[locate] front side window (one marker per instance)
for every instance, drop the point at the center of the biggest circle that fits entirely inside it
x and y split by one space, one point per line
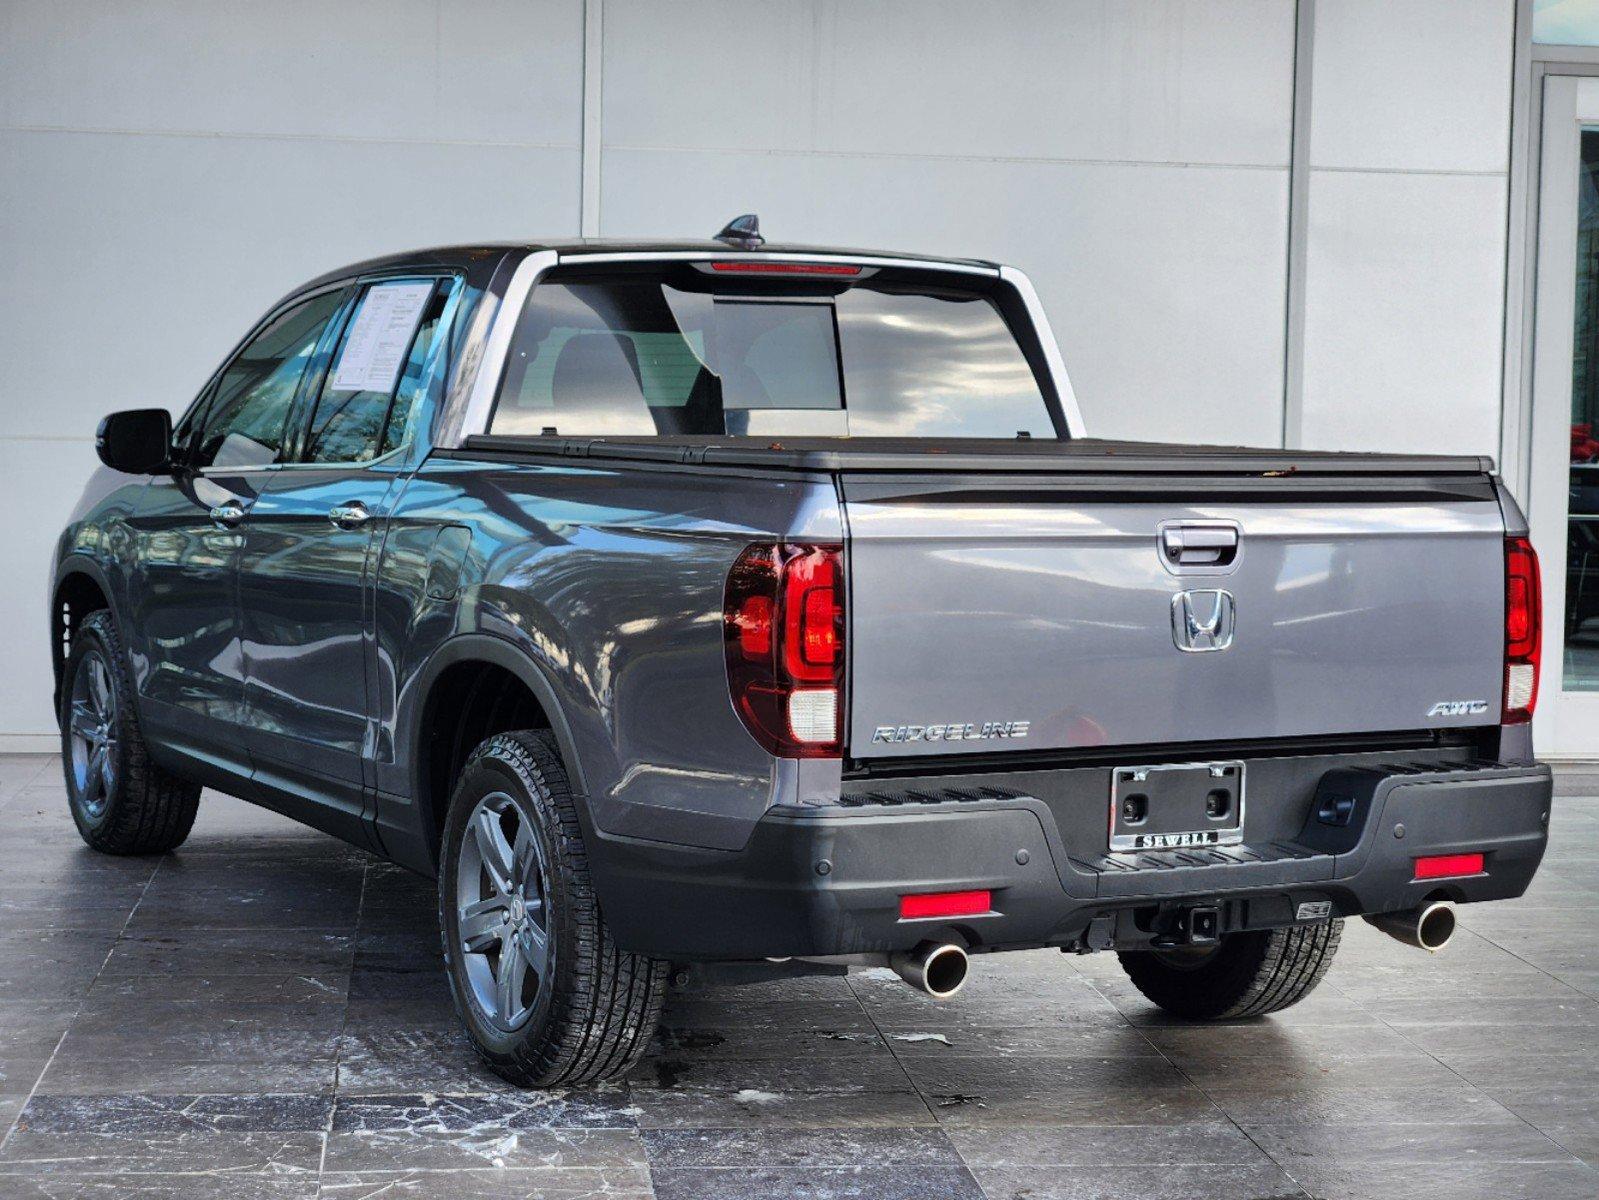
375 382
680 352
249 410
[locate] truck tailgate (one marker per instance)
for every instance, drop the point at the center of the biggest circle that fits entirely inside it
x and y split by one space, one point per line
993 613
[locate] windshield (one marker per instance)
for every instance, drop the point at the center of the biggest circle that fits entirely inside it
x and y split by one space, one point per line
676 352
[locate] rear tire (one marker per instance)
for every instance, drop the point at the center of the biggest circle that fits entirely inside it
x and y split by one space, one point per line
1246 975
121 802
547 997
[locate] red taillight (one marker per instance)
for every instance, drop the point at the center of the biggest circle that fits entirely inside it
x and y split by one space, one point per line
813 607
1523 630
945 904
783 620
758 267
1443 866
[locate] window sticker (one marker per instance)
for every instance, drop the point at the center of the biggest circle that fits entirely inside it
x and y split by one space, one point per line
375 346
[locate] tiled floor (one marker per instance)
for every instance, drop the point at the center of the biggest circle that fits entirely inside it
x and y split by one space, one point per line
260 1016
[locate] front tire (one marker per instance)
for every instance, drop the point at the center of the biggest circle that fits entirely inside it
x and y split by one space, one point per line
1246 975
547 997
121 802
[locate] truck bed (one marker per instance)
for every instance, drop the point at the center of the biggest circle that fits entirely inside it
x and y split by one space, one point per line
1000 581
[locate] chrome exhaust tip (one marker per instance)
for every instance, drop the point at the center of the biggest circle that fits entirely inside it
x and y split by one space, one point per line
936 968
1429 927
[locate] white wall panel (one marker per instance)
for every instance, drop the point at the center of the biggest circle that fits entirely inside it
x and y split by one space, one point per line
144 259
1415 85
415 70
1409 148
1404 312
40 481
1164 284
1130 156
169 169
1204 81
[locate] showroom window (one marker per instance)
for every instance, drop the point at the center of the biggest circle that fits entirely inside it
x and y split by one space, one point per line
1565 22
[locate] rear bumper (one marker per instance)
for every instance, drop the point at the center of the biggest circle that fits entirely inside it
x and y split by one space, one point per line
827 881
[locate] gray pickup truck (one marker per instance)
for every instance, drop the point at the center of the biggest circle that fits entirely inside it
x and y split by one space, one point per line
729 611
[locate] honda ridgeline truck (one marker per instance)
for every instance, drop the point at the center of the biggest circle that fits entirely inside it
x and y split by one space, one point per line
725 610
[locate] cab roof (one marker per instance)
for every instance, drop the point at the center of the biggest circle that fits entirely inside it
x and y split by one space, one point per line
483 254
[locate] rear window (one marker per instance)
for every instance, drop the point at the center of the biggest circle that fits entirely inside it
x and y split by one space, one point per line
677 351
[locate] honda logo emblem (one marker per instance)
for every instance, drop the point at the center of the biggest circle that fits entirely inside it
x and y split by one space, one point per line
1202 620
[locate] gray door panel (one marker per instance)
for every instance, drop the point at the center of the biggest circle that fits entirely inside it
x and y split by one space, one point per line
182 627
305 620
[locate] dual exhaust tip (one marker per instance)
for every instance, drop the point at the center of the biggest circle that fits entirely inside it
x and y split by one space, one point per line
938 969
1429 927
935 968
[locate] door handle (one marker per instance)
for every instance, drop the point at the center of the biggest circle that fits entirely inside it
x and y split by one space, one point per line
228 514
349 516
1199 545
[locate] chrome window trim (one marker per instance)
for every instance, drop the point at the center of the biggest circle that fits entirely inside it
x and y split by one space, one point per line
491 357
385 460
1046 339
491 364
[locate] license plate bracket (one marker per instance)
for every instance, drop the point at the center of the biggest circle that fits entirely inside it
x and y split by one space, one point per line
1176 806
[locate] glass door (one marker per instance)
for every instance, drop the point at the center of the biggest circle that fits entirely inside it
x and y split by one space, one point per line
1580 662
1564 490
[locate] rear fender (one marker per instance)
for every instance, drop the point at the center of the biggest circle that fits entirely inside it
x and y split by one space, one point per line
501 652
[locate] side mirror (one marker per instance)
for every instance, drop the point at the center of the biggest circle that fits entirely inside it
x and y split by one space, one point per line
137 441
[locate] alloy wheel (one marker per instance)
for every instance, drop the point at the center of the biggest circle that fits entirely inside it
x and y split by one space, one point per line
93 735
502 909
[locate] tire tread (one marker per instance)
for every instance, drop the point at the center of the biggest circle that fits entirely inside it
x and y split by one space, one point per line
603 1016
152 810
1252 974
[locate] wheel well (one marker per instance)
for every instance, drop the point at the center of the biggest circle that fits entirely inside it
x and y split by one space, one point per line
77 596
468 702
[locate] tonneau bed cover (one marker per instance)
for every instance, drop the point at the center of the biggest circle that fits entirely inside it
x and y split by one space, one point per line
1074 456
1081 466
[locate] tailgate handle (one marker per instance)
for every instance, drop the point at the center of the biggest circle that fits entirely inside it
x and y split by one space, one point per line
1199 545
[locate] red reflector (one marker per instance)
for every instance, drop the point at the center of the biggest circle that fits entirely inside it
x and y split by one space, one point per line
944 904
756 267
1441 866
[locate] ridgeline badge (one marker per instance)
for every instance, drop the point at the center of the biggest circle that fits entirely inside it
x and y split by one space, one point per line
987 731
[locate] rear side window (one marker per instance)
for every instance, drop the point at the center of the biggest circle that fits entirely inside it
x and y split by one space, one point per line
249 410
677 352
375 380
